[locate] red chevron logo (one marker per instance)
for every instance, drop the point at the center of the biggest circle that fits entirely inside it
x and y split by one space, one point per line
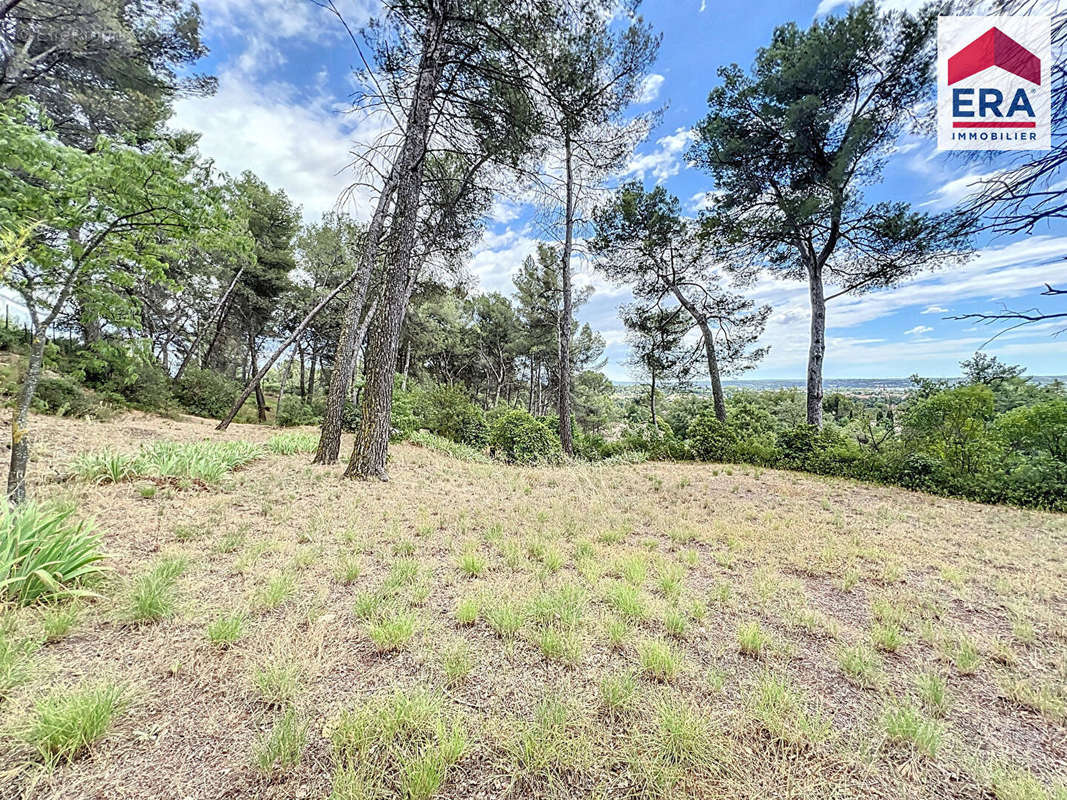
994 48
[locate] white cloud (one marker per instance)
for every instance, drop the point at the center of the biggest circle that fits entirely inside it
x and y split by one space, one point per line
650 87
663 162
957 190
291 141
934 310
918 330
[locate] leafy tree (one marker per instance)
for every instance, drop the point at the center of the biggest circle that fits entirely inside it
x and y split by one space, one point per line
643 241
989 370
591 68
100 220
657 348
101 66
1040 428
791 144
954 426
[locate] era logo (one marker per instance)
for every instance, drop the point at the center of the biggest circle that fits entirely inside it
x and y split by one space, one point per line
993 83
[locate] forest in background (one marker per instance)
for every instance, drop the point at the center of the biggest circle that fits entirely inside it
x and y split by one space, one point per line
153 281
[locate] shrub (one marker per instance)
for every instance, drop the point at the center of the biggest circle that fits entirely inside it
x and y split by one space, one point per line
349 417
404 419
953 426
711 439
517 437
295 411
446 411
65 398
44 554
206 393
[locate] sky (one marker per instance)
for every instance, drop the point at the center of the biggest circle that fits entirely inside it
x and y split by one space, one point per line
285 72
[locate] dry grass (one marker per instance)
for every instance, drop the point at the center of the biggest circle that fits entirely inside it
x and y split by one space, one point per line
624 630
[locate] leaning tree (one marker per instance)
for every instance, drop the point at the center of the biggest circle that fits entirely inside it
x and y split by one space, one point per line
791 143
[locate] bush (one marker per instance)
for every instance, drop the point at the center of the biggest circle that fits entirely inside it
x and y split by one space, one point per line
44 554
404 418
446 411
713 440
149 389
206 393
64 397
953 426
519 438
349 417
295 411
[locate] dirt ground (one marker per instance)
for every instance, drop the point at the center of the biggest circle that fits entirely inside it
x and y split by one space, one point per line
821 567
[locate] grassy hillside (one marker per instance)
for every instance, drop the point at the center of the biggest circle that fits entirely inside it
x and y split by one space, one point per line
475 630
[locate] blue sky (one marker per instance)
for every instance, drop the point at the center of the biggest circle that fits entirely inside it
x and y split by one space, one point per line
284 69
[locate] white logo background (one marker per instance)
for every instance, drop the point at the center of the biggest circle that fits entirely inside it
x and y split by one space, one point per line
1033 33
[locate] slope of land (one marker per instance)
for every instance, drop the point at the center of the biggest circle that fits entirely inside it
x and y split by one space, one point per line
594 631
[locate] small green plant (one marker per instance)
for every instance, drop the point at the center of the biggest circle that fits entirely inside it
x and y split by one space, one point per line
205 462
787 715
472 564
627 600
618 632
45 554
467 610
887 637
66 722
505 619
559 645
367 605
278 680
225 630
751 640
681 735
675 622
278 589
861 665
348 568
659 660
933 690
1011 783
907 725
392 632
58 620
283 746
617 691
16 661
151 597
966 657
457 663
293 442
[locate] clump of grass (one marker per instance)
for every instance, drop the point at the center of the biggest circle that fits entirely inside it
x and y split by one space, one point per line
933 691
627 600
403 572
151 597
472 564
907 725
559 645
206 462
618 632
617 691
283 747
226 629
505 619
562 606
461 452
293 442
675 622
278 589
681 735
861 666
66 722
457 663
58 620
1010 783
887 637
393 631
278 679
367 605
1043 699
45 554
401 745
467 610
348 568
751 640
787 715
16 661
966 657
659 660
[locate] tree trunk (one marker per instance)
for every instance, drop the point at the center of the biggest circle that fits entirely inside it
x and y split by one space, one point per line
311 375
344 361
200 334
407 365
565 437
817 349
20 425
709 349
223 315
652 403
372 439
281 392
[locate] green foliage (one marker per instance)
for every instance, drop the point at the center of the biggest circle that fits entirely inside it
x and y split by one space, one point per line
63 397
283 746
519 438
446 411
206 393
66 722
45 554
295 411
292 443
448 447
194 461
711 439
953 426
